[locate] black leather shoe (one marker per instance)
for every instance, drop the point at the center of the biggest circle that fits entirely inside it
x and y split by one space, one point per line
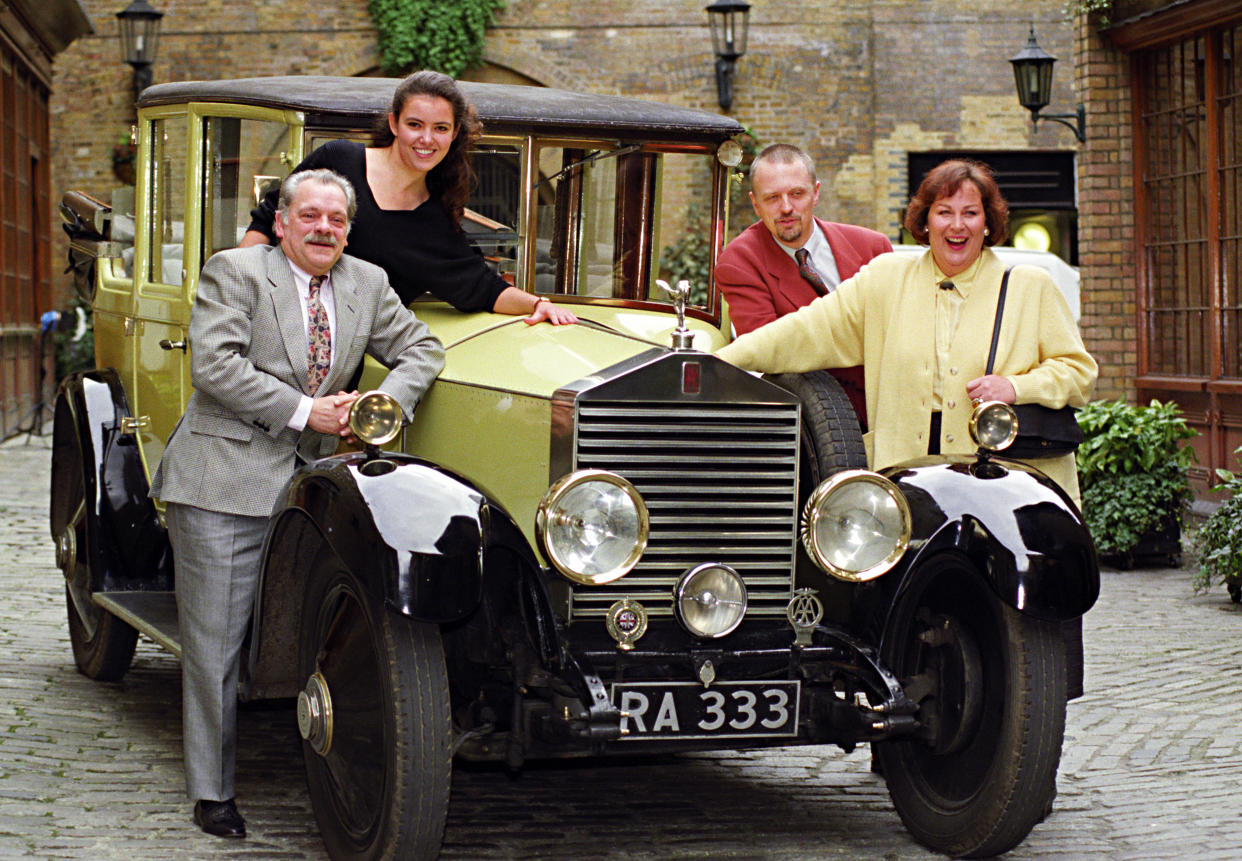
219 818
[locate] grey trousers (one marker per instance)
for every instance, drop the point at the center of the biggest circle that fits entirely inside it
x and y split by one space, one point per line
217 558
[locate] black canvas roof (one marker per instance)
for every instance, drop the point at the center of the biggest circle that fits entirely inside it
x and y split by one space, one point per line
337 101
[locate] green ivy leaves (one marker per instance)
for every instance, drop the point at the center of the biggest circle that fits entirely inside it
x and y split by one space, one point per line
431 34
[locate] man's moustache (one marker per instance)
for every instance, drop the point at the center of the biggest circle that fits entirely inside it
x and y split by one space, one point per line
321 239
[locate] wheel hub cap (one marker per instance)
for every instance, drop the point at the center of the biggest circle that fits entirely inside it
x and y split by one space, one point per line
315 714
956 708
66 550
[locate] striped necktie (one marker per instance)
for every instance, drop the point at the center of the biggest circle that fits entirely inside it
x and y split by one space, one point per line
318 337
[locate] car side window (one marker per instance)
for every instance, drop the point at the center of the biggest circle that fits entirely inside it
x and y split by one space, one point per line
244 158
576 248
681 224
610 221
166 200
492 220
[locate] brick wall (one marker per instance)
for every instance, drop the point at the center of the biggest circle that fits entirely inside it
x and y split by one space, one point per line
1106 211
92 107
858 84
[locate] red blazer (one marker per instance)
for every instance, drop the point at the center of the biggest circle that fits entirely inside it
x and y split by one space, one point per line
761 282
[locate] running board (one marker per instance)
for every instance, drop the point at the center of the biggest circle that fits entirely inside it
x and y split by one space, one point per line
154 614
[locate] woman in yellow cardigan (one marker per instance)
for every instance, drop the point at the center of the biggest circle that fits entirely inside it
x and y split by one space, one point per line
922 327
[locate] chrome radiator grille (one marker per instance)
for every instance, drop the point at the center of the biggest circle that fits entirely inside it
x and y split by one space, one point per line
720 482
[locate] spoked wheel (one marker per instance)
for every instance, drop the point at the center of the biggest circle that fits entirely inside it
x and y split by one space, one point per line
374 718
990 683
103 645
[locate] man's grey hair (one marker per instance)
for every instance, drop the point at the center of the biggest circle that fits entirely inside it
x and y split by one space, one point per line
782 153
323 176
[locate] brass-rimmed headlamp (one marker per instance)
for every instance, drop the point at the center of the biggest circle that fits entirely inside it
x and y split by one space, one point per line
856 525
592 526
993 426
375 418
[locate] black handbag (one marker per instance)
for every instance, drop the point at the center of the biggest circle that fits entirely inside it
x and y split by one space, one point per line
1042 431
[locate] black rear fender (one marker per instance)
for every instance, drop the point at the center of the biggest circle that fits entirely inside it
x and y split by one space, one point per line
93 461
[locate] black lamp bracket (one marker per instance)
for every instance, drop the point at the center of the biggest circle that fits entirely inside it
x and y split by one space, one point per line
1078 127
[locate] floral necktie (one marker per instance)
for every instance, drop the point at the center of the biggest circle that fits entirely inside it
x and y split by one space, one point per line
318 337
807 271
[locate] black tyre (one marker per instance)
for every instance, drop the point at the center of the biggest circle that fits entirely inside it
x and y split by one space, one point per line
991 687
103 645
374 720
831 438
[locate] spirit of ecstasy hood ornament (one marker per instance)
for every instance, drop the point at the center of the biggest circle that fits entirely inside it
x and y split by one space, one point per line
683 338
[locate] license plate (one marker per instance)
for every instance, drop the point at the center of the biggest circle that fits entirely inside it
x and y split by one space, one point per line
676 710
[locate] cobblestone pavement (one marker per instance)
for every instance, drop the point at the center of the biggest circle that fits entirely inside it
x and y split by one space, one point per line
1152 767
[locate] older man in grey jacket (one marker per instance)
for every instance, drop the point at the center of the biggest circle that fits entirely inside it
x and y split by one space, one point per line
274 335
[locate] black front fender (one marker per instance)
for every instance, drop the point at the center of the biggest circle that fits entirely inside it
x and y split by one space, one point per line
409 529
413 535
1026 536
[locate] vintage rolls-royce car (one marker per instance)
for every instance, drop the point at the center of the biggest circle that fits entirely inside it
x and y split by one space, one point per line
594 539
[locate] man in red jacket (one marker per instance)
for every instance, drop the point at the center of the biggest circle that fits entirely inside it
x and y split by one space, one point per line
789 257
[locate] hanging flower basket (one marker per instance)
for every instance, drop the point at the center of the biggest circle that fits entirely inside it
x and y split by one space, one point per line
123 156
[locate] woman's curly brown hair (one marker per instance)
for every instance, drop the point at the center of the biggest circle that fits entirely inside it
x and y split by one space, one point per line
451 179
944 180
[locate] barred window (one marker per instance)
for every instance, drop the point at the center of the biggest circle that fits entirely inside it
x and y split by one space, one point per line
1190 157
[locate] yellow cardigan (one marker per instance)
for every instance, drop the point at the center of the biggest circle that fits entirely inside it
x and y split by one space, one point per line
883 319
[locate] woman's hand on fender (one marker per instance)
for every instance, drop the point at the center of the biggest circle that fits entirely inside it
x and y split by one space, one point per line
557 315
514 301
992 387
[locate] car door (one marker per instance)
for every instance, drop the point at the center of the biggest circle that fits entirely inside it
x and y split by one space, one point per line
209 165
156 375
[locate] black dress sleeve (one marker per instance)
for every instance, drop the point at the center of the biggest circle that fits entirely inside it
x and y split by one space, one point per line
430 255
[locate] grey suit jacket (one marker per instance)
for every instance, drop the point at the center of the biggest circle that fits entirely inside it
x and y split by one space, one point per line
232 450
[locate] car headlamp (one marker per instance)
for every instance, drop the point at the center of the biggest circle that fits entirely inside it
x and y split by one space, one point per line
710 600
856 525
993 425
593 526
375 418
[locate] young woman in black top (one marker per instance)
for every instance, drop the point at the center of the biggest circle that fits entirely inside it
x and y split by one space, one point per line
412 184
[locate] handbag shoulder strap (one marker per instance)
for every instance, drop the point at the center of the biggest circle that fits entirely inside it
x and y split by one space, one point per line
1000 310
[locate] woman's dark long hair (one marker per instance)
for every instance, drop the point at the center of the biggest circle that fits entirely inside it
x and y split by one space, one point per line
452 179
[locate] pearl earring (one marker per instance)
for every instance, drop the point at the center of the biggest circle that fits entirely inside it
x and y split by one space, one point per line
986 231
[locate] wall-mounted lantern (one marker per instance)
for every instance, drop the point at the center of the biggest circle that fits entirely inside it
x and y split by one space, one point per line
140 33
1032 72
729 21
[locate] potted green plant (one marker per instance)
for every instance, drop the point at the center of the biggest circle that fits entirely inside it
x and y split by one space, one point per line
1132 468
1219 542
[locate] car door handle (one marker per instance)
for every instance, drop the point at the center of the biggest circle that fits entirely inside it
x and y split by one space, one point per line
166 344
133 424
